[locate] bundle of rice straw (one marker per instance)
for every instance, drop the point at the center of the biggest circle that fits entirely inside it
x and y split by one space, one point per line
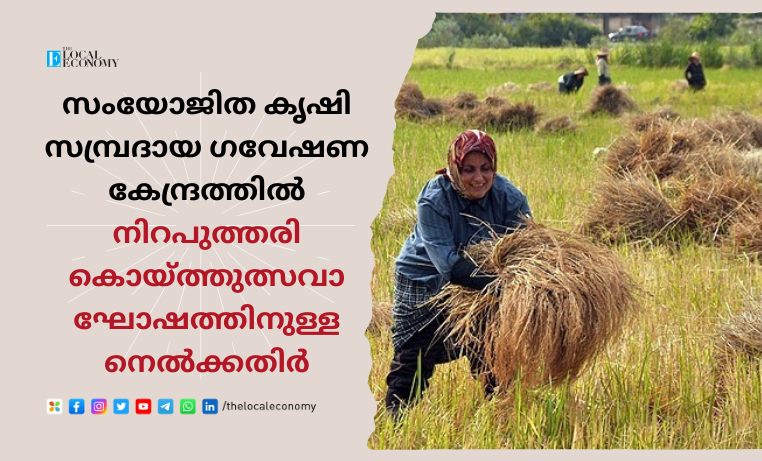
541 86
659 150
746 234
561 300
507 87
562 124
494 101
709 206
380 318
735 129
739 337
645 120
611 100
741 334
630 208
680 85
505 117
411 103
464 101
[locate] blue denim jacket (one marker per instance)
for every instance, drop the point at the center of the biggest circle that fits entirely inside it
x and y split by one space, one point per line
447 223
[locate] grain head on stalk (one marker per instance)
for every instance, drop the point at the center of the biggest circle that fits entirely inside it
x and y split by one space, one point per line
558 300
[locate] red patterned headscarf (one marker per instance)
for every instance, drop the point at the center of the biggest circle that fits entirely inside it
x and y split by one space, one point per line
463 144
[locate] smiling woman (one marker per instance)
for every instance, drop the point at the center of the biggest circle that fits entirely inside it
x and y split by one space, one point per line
468 202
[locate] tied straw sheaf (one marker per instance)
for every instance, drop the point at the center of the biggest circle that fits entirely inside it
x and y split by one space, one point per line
557 301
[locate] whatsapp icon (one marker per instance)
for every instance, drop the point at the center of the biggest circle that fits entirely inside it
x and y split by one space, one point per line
187 406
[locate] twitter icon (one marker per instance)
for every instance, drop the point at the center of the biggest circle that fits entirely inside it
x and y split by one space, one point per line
121 406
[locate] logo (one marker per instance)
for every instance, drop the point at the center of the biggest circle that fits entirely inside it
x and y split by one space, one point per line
54 59
54 406
76 406
69 57
143 406
121 406
187 406
166 407
209 406
98 406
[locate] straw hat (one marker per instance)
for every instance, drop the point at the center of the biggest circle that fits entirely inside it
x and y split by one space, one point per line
603 52
582 70
695 56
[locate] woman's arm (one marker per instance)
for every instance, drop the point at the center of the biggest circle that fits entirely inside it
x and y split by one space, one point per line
437 237
439 243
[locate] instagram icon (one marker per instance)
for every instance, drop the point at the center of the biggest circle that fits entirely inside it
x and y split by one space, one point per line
98 406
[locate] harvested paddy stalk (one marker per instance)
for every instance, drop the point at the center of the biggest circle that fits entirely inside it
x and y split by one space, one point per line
507 87
541 86
736 129
710 205
557 302
745 234
505 117
644 121
494 101
381 318
411 104
562 124
465 101
630 208
610 100
741 334
658 150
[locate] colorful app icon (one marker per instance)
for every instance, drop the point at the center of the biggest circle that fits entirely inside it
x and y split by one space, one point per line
98 406
121 406
187 406
165 406
209 406
143 406
76 406
54 406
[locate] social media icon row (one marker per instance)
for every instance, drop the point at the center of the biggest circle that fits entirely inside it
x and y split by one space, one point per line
142 406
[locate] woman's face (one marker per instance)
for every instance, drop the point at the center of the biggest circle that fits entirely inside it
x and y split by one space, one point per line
477 175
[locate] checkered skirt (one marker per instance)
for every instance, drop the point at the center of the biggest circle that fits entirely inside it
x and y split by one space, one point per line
408 314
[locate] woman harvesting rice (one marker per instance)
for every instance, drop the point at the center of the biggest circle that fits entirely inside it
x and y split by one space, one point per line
467 203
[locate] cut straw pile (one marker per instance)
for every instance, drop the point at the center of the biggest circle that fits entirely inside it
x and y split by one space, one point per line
494 114
610 100
380 319
562 124
669 178
561 300
742 333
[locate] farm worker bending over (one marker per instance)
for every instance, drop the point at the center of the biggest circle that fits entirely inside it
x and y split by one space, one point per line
463 205
572 81
602 63
694 73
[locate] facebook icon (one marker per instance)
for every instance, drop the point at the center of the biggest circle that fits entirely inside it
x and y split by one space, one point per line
209 406
54 59
76 406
